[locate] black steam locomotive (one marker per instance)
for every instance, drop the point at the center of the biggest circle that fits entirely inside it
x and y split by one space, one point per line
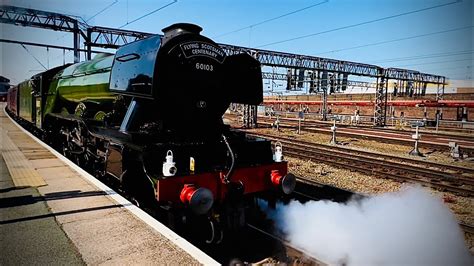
150 117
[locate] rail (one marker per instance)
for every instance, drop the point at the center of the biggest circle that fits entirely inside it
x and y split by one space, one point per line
377 164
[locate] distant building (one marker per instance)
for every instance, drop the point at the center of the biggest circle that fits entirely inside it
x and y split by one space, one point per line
462 86
465 90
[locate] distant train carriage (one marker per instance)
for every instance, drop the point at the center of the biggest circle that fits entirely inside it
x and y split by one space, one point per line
4 86
12 100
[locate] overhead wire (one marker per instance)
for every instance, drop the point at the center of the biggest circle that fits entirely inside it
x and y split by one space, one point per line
101 11
271 19
459 70
426 56
32 55
128 22
451 68
462 76
439 62
395 40
361 23
93 16
85 21
149 13
444 71
437 68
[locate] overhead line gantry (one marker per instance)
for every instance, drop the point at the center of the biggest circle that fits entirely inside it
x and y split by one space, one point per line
111 38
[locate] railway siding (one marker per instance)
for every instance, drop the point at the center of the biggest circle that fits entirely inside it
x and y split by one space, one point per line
429 139
379 165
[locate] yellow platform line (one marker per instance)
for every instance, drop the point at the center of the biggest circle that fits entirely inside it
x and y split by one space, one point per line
21 170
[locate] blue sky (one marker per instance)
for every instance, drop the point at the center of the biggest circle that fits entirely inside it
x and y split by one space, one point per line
448 53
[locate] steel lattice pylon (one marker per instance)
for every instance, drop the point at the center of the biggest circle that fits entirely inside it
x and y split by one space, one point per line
92 36
249 116
111 38
380 109
37 18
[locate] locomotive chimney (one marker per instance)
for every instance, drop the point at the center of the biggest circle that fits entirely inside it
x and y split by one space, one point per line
178 29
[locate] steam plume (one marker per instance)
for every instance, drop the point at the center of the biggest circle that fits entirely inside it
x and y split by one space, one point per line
410 227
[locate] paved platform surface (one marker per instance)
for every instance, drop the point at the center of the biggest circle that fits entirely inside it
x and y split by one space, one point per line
28 229
55 216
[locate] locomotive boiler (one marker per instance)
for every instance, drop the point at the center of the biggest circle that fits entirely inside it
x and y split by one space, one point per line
150 118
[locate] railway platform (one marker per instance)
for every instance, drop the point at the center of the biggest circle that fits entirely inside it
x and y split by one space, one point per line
51 212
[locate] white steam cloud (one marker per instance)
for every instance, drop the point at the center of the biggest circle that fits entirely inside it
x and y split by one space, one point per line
410 227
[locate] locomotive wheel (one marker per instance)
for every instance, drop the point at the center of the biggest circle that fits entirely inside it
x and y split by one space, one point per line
66 151
80 110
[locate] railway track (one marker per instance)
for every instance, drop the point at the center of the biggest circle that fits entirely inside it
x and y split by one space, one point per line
310 190
295 254
325 124
436 141
444 131
305 190
463 173
316 123
435 175
467 228
322 127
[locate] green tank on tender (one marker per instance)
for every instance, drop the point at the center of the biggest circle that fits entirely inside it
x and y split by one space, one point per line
82 83
25 101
